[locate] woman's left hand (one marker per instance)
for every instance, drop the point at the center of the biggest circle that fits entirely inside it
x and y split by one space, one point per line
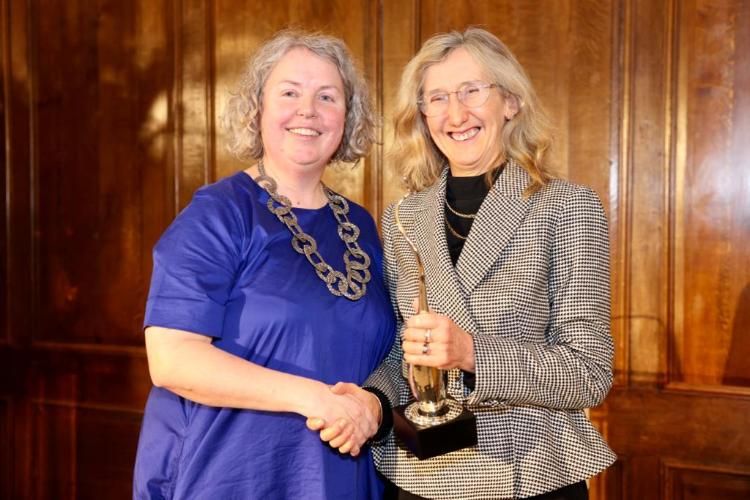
432 339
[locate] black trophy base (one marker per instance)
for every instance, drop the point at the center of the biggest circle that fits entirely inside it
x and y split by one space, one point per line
427 441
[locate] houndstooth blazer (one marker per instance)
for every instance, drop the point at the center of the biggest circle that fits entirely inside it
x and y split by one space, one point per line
532 286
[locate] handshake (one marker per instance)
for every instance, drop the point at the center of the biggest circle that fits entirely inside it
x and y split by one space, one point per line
346 417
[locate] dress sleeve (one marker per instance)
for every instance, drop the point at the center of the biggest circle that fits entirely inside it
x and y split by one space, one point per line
573 369
195 263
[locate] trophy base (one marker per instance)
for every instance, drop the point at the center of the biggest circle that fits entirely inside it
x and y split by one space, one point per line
427 440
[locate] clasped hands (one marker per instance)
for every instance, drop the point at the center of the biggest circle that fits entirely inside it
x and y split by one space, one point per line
354 415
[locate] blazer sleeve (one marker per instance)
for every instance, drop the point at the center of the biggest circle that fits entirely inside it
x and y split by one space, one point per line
388 377
573 368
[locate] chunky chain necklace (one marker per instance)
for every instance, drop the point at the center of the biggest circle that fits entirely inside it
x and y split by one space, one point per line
357 262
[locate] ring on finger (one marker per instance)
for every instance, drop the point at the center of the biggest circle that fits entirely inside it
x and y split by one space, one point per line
426 349
427 336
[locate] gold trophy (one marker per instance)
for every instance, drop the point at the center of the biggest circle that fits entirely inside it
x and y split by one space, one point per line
435 423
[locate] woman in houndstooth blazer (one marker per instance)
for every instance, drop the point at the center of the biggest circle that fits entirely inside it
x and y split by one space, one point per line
517 273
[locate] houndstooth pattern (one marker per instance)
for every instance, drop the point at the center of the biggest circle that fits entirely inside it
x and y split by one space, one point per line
532 285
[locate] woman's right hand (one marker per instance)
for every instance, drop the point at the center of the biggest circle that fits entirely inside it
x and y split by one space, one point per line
347 433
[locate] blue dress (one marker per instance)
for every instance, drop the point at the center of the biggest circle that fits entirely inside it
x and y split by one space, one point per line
225 268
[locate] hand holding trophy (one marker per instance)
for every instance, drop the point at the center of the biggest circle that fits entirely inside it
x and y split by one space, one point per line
435 423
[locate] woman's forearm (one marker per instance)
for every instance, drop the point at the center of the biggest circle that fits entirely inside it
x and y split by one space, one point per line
188 365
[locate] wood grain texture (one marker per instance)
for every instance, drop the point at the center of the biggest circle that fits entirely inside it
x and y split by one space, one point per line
17 201
5 84
645 179
711 207
6 446
82 452
101 129
683 481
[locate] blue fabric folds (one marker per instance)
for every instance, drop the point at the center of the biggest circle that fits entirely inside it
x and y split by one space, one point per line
225 268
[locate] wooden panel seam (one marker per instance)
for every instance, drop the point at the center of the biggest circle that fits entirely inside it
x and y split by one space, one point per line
373 195
32 64
7 110
61 403
707 390
176 106
668 467
626 82
209 167
138 351
675 117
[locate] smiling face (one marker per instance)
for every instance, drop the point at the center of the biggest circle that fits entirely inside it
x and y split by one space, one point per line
469 137
304 112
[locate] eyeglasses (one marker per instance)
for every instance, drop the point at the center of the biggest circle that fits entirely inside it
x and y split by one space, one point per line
471 95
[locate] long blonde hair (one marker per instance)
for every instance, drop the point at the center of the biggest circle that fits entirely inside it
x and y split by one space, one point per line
526 138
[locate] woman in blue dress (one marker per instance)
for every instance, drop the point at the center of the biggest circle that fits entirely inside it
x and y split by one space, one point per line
266 289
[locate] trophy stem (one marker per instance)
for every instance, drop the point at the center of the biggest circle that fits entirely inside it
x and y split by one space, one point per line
434 424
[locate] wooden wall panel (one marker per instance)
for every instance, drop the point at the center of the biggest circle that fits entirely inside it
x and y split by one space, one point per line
54 471
16 287
83 452
5 448
110 468
711 207
192 105
641 271
679 426
688 481
86 114
4 102
100 149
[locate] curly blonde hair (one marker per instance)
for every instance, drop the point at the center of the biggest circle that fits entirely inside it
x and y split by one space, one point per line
526 138
242 114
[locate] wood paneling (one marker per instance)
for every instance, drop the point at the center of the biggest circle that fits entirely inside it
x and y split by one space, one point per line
17 286
641 270
4 101
101 128
5 449
400 42
711 205
678 425
682 264
110 115
694 481
82 452
88 188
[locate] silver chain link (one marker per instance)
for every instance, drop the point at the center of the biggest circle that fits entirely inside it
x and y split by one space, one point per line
357 262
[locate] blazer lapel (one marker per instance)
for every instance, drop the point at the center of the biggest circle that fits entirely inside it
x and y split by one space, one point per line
443 288
498 218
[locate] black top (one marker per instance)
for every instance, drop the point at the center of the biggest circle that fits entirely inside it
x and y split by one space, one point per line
464 196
